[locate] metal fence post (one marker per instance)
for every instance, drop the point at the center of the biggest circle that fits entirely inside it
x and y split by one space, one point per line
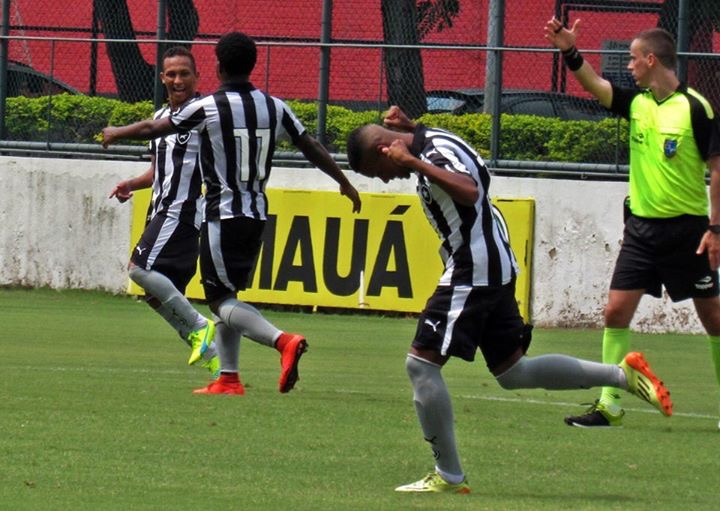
94 32
493 73
324 85
159 93
48 111
4 31
683 39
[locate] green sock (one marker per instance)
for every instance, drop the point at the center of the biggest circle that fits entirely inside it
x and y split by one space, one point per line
616 344
715 354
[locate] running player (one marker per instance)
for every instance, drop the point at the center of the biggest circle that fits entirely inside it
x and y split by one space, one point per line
165 258
239 126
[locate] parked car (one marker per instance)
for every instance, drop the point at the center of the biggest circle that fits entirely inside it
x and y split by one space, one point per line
514 101
23 80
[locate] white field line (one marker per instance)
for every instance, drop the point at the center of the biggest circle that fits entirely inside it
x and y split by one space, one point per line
547 403
563 404
529 401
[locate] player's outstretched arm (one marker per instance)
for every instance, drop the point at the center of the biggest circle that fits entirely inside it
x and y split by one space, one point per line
564 39
320 157
143 130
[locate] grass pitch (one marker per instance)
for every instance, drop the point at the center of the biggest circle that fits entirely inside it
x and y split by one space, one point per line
96 412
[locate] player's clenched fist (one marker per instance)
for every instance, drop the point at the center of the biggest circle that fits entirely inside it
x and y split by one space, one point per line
109 136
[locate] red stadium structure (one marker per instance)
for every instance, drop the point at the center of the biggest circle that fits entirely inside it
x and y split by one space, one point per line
288 63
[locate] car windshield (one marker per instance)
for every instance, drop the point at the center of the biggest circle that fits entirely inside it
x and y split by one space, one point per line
435 103
23 80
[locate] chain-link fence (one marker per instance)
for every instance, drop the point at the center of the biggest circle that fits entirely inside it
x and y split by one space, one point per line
426 55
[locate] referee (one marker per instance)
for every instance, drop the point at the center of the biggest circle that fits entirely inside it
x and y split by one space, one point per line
239 126
668 239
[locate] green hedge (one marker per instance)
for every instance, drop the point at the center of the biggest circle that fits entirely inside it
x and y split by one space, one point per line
67 118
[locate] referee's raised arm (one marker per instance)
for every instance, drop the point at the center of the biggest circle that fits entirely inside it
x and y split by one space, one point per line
564 40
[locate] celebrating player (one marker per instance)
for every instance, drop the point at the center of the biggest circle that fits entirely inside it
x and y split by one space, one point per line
165 258
473 306
239 126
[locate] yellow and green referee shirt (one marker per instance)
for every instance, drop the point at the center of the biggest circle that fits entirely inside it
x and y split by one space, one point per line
670 142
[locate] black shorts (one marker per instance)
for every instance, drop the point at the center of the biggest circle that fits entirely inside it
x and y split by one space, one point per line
228 251
457 321
170 247
658 252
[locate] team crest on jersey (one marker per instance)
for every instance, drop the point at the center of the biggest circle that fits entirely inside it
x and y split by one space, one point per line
670 147
182 138
424 191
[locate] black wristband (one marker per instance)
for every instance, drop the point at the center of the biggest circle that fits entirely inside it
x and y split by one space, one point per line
714 228
573 59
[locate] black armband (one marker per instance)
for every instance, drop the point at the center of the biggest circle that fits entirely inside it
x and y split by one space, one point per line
573 59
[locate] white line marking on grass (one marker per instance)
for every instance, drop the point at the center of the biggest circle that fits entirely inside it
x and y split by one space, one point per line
109 370
564 404
362 392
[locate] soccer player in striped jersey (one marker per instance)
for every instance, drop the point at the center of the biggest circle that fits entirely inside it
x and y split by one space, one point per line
473 306
668 239
165 258
239 126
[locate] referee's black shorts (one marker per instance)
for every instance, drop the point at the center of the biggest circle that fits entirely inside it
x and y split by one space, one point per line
658 252
457 321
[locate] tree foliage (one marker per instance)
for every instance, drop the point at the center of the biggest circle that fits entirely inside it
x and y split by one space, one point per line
436 16
134 76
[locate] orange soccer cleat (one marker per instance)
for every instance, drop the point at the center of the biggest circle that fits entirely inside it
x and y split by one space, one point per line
225 384
291 348
644 384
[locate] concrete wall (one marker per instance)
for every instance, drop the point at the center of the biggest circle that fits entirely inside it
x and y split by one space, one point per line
60 230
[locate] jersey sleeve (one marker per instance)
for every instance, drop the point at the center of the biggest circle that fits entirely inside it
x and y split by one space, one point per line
714 142
191 117
289 125
706 128
445 158
152 144
621 99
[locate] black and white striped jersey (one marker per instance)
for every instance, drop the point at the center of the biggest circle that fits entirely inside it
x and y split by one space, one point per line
239 126
177 184
475 247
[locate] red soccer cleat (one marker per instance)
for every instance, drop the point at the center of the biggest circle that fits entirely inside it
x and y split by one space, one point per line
291 348
225 384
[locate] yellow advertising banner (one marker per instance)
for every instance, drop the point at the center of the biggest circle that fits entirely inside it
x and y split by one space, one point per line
316 252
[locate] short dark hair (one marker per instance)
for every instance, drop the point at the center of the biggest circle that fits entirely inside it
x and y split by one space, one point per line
180 51
236 54
354 148
660 43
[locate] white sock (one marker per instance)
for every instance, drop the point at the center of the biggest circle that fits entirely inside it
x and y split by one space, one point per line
561 372
174 307
434 411
227 341
245 318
